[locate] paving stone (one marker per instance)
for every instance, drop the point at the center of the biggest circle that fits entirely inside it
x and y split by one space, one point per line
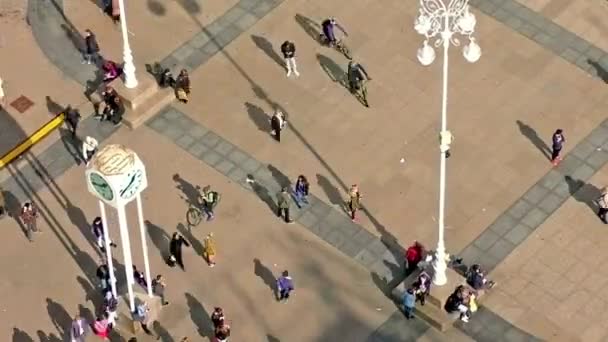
172 114
583 172
534 218
569 164
553 29
195 59
487 7
216 27
224 148
246 21
197 131
174 133
366 258
570 55
320 209
471 254
550 203
199 40
197 150
543 39
185 141
158 124
527 30
513 22
335 238
551 179
512 6
237 156
211 48
262 9
211 158
234 14
350 248
583 150
583 63
227 35
248 4
238 176
377 247
535 194
250 165
580 45
224 167
520 208
210 139
486 239
597 159
308 219
594 53
562 190
183 52
363 237
503 224
501 14
518 234
598 136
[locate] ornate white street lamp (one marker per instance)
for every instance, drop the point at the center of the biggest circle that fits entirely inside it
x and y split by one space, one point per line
129 67
439 22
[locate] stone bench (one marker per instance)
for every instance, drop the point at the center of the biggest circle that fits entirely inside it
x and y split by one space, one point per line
127 321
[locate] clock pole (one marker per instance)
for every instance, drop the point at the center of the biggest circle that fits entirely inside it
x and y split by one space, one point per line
144 243
126 243
106 237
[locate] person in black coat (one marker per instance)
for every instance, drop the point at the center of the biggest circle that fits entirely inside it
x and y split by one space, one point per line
289 53
117 110
175 248
91 48
72 117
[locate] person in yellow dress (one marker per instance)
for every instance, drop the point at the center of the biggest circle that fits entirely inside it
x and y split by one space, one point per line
209 250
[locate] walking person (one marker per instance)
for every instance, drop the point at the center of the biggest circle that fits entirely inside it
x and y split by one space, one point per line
91 53
413 255
78 330
182 86
422 287
29 215
143 316
558 141
277 124
110 305
222 332
284 286
116 112
289 53
217 317
445 141
209 200
103 274
283 204
354 201
209 250
158 286
98 232
175 250
72 117
101 327
89 148
602 203
409 303
140 277
301 190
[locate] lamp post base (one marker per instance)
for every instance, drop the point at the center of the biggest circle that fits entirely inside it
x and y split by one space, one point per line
439 270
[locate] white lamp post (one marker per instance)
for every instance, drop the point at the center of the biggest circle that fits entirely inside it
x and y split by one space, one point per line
129 67
441 21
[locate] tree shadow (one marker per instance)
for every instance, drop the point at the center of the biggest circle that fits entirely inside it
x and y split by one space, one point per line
159 238
196 244
258 116
583 192
281 179
53 107
199 316
161 332
599 70
262 193
332 69
266 275
60 317
312 28
21 336
332 192
71 143
190 191
263 44
531 134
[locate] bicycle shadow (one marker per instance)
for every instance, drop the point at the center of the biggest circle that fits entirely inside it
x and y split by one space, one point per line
333 70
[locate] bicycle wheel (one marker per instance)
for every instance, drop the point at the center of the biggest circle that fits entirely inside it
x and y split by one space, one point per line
194 216
345 51
364 95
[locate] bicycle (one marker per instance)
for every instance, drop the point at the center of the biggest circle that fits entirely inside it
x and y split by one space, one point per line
339 45
359 89
194 215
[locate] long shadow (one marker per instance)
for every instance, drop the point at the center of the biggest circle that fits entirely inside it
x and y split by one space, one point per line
74 36
281 179
599 70
271 338
196 244
311 27
94 86
266 275
161 332
200 316
263 194
258 116
531 134
583 192
72 144
332 69
13 207
86 313
263 44
43 337
159 238
91 294
190 191
21 336
53 107
60 317
332 192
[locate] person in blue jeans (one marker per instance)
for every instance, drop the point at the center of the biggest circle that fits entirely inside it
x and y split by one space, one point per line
409 303
301 191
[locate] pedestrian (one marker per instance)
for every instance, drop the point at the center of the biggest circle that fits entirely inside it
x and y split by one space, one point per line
143 316
283 204
409 303
140 277
111 71
354 201
182 86
209 250
116 111
72 117
413 256
445 141
284 286
422 287
115 11
103 274
106 7
101 327
602 203
301 191
91 53
217 317
98 232
78 331
558 140
289 53
222 332
110 305
158 286
3 211
209 200
278 122
108 96
29 214
175 250
89 148
477 280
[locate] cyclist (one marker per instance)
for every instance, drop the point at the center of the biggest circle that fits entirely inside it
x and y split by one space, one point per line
356 74
209 199
328 30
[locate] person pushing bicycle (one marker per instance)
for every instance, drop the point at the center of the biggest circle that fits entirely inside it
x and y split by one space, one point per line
209 200
356 75
328 30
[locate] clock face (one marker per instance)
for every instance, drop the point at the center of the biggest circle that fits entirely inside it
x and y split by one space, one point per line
132 184
101 186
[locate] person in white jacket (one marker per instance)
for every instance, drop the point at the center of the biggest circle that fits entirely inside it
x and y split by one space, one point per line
89 147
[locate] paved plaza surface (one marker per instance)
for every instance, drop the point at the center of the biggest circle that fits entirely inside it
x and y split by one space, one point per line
532 226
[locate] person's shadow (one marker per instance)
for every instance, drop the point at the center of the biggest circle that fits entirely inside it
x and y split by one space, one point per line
196 244
90 292
266 275
78 219
281 179
200 316
72 144
309 26
53 107
43 337
13 208
161 332
258 117
159 238
599 70
59 316
531 134
21 336
583 192
333 70
190 191
333 194
266 46
262 193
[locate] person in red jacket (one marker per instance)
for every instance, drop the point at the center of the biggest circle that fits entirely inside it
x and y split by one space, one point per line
413 255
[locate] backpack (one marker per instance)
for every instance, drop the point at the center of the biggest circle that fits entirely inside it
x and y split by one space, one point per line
215 197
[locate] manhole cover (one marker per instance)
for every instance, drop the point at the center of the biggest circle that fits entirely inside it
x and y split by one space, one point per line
22 104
